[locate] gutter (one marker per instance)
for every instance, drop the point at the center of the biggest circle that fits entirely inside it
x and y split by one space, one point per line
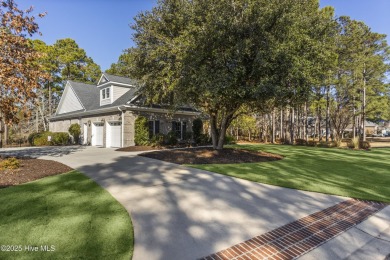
122 126
159 110
81 114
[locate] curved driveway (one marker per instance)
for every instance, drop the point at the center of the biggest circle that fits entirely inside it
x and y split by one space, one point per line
184 213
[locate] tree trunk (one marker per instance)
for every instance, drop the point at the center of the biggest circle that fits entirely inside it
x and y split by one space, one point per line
305 124
327 114
281 124
273 126
292 126
214 131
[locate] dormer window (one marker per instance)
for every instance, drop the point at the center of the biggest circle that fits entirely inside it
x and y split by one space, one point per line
105 93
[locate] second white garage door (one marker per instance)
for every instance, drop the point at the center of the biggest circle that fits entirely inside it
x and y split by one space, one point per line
114 134
97 134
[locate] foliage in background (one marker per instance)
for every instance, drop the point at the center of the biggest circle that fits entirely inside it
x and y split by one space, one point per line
141 131
75 131
20 73
197 129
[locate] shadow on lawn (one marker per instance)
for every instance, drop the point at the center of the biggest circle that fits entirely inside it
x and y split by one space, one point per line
68 211
181 213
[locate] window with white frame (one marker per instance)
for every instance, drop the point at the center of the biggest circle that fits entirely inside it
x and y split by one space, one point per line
105 93
154 128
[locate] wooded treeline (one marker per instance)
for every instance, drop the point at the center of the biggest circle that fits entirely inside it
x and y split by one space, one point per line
33 74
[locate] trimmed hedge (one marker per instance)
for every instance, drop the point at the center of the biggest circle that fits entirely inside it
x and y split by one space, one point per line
75 131
41 139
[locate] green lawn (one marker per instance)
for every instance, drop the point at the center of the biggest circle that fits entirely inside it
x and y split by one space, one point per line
356 174
68 211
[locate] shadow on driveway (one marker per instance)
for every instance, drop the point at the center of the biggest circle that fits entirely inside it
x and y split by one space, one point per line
35 152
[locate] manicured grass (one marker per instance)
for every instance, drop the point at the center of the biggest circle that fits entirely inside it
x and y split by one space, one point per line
68 211
356 174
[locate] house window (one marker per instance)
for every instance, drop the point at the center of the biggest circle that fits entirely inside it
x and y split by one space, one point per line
105 93
179 128
154 128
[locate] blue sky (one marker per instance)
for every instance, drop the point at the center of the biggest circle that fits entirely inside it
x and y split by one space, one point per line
101 27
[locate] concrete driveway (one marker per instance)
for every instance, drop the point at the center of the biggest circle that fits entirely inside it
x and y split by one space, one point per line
184 213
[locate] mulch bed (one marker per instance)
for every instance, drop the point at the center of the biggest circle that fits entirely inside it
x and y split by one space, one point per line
30 170
210 156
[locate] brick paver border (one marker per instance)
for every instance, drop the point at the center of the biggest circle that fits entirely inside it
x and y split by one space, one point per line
299 237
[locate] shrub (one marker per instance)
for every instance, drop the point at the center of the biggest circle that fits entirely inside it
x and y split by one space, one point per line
141 127
300 142
171 138
31 137
327 144
75 131
353 143
312 143
41 139
157 140
197 129
204 139
60 138
10 163
364 145
229 139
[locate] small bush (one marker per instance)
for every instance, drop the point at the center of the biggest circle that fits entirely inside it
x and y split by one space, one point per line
204 139
41 139
364 145
324 144
353 143
197 129
141 128
312 143
31 137
75 131
229 139
157 140
10 163
170 138
60 138
300 142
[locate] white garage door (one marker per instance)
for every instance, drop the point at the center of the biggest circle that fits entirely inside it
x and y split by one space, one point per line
114 134
97 134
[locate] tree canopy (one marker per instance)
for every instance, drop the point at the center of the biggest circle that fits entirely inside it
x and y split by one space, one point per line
20 73
221 54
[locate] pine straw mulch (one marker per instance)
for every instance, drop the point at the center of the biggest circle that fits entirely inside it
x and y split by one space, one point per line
206 155
30 170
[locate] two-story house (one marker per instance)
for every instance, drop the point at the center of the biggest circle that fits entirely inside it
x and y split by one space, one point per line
106 112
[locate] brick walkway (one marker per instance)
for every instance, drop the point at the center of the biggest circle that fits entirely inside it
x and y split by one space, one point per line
301 236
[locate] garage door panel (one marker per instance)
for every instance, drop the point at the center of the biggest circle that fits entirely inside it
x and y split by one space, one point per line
97 134
114 134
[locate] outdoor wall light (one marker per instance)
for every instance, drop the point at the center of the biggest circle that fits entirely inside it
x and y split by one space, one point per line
89 122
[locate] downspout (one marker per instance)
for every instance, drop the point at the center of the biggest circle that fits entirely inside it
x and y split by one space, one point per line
122 125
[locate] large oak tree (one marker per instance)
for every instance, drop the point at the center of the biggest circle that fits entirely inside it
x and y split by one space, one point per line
221 54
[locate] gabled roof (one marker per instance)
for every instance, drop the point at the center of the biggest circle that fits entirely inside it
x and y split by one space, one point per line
88 94
117 79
